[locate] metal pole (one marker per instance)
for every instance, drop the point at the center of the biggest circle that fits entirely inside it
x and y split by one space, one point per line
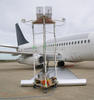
55 49
44 48
34 49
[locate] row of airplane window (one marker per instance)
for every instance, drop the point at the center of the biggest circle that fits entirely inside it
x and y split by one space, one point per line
71 43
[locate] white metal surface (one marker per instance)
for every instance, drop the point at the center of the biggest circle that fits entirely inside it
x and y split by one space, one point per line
39 12
72 82
64 77
48 12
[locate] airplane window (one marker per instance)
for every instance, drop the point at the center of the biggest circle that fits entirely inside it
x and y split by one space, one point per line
78 42
75 42
69 43
66 43
72 42
84 41
88 41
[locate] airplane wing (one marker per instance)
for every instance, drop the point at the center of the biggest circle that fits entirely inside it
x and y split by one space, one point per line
8 46
16 53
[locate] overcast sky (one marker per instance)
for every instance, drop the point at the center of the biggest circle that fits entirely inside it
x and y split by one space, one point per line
79 16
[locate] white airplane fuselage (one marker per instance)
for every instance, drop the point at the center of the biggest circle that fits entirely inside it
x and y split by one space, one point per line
74 48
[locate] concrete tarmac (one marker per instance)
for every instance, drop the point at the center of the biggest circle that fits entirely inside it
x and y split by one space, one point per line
12 73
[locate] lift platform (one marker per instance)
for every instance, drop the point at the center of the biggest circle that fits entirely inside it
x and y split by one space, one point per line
64 77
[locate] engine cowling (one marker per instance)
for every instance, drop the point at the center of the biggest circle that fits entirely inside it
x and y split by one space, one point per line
30 59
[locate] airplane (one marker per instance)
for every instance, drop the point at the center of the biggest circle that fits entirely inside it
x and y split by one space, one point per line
72 48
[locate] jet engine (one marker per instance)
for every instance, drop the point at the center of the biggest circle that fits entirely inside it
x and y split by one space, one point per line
29 59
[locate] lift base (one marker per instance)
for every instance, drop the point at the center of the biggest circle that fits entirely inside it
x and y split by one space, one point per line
64 77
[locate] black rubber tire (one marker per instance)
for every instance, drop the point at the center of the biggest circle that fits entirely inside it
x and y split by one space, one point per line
55 86
60 64
39 66
34 86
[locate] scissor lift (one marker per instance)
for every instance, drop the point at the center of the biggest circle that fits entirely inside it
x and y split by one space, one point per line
43 80
53 76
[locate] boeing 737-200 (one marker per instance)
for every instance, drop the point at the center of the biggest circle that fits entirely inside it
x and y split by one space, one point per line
74 48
